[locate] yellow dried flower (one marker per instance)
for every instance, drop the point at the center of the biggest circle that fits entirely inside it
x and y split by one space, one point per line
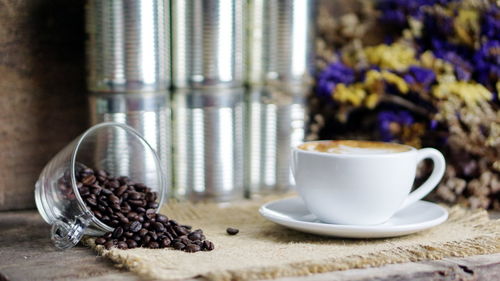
470 93
372 100
396 56
443 69
466 26
353 94
374 76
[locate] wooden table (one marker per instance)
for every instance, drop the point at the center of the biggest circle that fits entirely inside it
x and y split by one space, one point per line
26 253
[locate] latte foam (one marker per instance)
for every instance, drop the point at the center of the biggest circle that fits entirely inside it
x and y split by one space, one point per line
354 147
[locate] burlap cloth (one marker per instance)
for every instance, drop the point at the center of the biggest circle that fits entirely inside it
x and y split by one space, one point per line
265 250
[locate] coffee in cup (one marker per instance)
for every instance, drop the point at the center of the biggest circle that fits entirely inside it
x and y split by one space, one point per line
360 182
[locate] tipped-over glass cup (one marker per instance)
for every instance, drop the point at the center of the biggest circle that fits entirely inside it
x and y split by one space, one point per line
113 147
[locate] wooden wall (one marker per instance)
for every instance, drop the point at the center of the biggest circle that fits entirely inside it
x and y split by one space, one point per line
42 90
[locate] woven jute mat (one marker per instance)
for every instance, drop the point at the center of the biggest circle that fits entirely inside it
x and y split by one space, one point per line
264 250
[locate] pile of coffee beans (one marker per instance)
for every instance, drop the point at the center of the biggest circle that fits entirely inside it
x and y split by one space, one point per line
130 208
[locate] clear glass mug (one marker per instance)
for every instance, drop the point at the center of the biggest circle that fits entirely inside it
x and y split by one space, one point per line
113 147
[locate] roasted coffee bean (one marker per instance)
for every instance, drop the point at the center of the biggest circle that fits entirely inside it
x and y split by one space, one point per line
115 222
187 226
135 202
100 240
146 225
153 245
181 230
179 246
97 214
141 218
165 242
131 244
140 210
192 248
106 192
158 226
161 218
135 226
84 191
153 205
122 245
108 245
124 220
91 202
150 196
194 236
114 200
88 180
118 232
146 239
150 213
208 246
125 207
134 195
132 216
96 190
107 235
128 234
113 184
119 191
143 232
137 238
173 222
153 235
101 173
232 231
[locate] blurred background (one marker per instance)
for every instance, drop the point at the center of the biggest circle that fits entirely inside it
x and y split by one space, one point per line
420 72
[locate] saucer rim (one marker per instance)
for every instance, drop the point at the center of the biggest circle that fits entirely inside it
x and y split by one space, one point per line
363 231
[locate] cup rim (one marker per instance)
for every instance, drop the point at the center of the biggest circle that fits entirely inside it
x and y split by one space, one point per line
74 152
411 149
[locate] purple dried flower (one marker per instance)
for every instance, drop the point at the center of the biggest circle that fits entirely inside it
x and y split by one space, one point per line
433 124
419 77
396 12
459 56
332 75
487 61
490 23
390 123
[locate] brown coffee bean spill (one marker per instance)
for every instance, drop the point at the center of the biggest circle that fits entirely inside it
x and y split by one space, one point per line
130 208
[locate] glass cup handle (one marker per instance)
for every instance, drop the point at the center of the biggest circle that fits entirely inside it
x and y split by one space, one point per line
436 175
66 234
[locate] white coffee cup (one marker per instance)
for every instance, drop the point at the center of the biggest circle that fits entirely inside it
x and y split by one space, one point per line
359 186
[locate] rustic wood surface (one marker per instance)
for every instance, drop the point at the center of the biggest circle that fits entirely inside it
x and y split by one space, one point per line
42 90
26 253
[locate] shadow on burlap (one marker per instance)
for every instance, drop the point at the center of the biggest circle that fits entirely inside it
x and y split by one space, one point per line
264 250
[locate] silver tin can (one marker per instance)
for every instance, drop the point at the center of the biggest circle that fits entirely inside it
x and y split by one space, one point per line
208 43
148 113
208 144
128 48
276 119
280 41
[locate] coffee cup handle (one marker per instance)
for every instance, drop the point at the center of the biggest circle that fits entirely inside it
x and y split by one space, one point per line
436 175
293 161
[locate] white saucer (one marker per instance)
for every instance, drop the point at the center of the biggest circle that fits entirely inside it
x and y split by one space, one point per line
292 213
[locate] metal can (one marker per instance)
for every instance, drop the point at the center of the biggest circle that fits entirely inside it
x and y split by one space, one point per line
128 48
276 119
208 144
280 41
148 113
208 43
